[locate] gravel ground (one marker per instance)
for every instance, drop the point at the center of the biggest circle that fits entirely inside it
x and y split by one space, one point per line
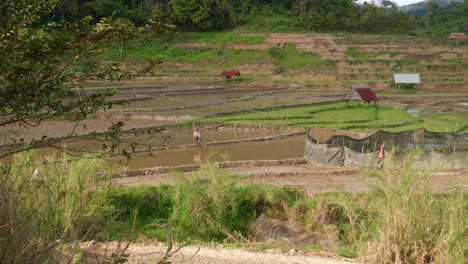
213 255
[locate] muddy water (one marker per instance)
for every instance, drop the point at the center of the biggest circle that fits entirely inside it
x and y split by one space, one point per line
275 149
292 147
170 137
184 136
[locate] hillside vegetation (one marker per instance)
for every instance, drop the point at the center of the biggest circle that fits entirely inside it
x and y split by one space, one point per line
271 16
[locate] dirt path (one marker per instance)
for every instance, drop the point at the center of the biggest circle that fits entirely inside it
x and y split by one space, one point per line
214 255
310 178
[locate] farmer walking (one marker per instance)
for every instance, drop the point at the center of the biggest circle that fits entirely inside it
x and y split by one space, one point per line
381 157
196 135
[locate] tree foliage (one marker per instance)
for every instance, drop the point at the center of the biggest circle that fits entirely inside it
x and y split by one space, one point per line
38 67
211 15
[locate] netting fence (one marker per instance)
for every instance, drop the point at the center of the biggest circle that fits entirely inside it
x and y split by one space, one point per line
437 150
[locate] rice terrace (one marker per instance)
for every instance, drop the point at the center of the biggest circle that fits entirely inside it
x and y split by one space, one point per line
256 133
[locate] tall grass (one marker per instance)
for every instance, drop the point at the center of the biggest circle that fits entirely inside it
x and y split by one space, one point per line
415 225
43 212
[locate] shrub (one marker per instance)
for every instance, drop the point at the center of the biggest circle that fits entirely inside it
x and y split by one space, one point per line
212 205
148 202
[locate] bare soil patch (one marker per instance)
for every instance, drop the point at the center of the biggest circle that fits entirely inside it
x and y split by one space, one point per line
152 253
310 178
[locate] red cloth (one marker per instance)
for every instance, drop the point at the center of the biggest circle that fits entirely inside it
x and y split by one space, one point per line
382 151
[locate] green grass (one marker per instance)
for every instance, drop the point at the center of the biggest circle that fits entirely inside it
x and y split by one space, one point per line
218 38
248 39
360 55
399 214
355 116
164 48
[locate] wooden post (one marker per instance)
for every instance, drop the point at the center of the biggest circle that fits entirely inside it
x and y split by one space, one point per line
79 94
136 96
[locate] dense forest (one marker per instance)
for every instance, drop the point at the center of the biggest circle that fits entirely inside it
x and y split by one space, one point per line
273 15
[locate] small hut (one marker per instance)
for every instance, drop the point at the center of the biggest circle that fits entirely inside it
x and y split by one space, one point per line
458 38
230 73
361 93
406 80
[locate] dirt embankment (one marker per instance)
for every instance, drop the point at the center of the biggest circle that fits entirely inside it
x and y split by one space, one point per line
308 177
62 128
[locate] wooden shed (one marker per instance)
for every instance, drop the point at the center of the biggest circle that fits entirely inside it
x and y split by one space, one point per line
361 93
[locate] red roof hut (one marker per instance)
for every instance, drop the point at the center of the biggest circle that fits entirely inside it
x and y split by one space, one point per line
363 93
230 73
458 36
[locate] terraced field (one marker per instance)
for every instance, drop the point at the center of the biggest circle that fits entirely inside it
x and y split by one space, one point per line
291 69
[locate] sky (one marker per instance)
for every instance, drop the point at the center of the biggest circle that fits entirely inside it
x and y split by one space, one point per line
406 2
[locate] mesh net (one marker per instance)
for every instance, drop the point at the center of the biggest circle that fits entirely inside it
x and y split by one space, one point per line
441 150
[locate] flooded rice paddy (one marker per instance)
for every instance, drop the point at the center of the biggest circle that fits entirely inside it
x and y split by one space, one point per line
175 137
292 147
187 153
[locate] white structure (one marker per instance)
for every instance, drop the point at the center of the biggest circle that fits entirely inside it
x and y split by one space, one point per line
407 79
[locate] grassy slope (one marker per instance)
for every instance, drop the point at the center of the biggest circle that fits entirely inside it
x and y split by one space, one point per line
164 48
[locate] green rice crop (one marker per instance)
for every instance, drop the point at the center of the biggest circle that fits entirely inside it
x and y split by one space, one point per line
356 116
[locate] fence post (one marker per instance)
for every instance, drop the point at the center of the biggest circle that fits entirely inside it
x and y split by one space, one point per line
136 96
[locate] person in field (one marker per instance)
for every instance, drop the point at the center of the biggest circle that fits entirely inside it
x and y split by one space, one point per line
381 157
197 135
